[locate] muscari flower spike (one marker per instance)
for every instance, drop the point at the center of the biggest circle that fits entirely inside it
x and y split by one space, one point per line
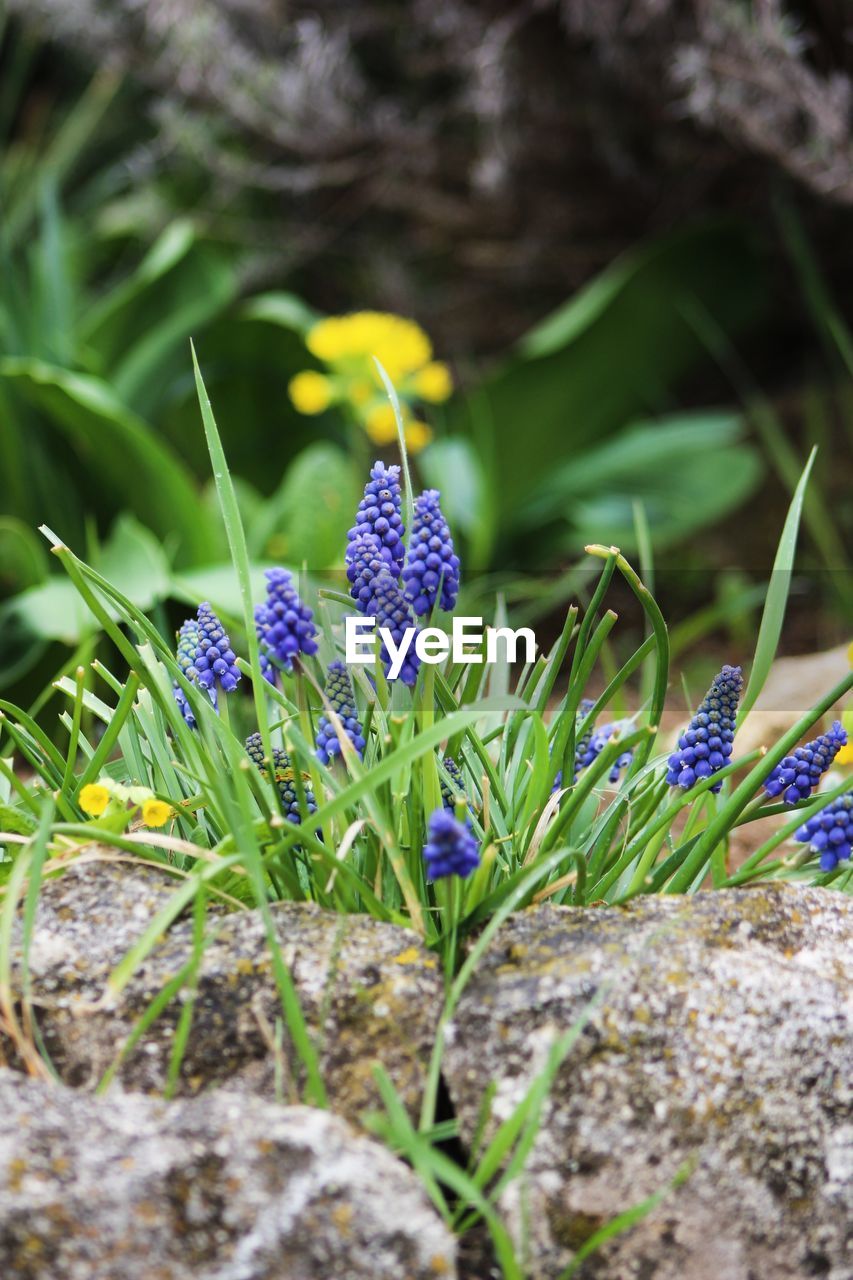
392 610
706 744
431 563
340 694
285 625
451 850
379 513
593 748
215 663
796 777
268 671
451 791
365 563
284 778
830 832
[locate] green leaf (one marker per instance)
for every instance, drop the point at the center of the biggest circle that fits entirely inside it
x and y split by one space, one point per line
306 520
284 309
132 560
16 821
613 355
125 453
777 596
219 584
23 559
686 471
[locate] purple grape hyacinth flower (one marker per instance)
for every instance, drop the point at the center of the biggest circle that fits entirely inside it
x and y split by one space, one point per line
365 563
379 514
451 850
285 625
284 778
594 747
705 746
392 610
340 694
187 648
830 832
215 662
796 777
431 562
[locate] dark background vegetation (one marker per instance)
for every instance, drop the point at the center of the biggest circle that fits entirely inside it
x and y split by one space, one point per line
670 182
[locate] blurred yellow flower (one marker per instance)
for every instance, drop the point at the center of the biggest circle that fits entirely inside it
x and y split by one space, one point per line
310 392
156 812
400 345
347 345
433 383
845 755
418 434
94 799
380 424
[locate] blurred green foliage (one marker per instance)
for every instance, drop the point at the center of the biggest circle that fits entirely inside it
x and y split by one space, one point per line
555 443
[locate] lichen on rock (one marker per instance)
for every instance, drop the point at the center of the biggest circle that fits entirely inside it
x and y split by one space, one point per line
370 992
226 1187
720 1035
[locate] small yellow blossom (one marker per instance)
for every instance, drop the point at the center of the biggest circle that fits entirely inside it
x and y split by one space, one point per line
347 345
156 812
94 799
381 424
310 392
418 435
433 383
845 755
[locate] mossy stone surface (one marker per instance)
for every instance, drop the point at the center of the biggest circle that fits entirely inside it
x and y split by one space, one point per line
369 991
224 1187
721 1034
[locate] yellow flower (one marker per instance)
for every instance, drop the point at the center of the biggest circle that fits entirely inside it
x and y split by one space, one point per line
156 812
845 755
310 392
433 383
361 391
94 799
418 434
400 345
381 425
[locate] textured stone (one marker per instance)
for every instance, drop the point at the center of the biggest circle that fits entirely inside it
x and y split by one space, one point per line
722 1034
369 991
225 1187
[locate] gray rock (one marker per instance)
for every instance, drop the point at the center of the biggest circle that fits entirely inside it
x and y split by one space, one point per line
369 991
223 1187
723 1035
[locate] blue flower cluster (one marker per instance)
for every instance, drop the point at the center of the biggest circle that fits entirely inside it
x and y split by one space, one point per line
796 777
392 611
284 624
453 790
830 832
365 564
379 514
187 638
431 563
215 662
706 744
340 694
451 850
594 747
284 778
